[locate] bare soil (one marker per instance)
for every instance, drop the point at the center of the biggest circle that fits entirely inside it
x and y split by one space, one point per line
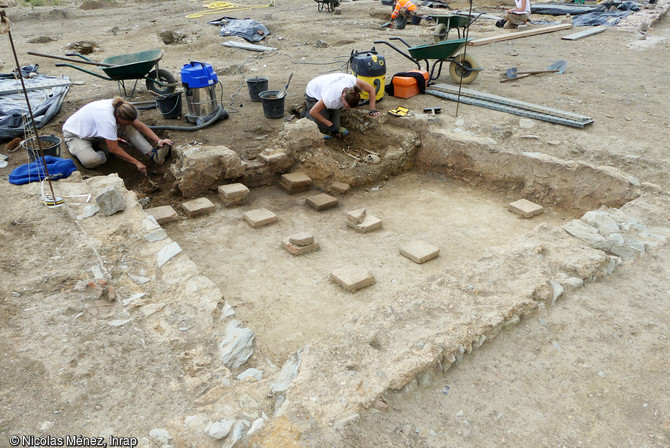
591 371
584 373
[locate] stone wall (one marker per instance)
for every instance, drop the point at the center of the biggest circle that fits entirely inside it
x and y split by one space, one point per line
534 176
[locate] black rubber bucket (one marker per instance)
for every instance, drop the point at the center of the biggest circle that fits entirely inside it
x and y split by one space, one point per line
50 146
273 107
256 86
170 105
416 20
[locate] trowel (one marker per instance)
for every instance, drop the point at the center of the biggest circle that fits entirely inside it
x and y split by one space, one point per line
556 67
282 94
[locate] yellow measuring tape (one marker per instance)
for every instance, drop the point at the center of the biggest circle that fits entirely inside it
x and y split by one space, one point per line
219 7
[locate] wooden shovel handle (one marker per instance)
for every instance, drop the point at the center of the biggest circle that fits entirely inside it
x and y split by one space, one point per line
527 74
537 72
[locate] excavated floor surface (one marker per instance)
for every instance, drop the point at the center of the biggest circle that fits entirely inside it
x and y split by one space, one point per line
289 300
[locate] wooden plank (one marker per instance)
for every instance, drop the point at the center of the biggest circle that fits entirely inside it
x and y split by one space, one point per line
520 34
585 33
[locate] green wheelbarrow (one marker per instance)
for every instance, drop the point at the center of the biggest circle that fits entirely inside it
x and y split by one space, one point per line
447 22
329 5
462 67
126 67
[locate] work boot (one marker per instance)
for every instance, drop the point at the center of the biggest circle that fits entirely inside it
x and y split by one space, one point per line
159 154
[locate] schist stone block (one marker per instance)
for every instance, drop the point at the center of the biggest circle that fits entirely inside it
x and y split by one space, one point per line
253 164
352 277
340 187
277 157
233 194
322 201
525 208
356 216
419 251
370 224
260 217
163 214
295 249
295 182
198 207
302 239
110 200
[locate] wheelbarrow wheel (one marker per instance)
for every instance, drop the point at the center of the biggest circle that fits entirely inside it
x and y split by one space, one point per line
164 77
440 32
457 71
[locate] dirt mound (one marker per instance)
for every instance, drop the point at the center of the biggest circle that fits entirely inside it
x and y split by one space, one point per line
97 4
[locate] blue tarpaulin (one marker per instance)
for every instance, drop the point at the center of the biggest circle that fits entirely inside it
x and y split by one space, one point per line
34 171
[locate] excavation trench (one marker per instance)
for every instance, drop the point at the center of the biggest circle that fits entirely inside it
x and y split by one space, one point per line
450 191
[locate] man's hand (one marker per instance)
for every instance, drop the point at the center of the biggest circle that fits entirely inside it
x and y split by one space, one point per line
141 168
374 113
164 141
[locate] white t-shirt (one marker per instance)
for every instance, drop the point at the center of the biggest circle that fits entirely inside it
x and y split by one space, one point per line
95 120
329 88
518 4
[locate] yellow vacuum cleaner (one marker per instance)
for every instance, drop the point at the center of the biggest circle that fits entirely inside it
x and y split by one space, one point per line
371 68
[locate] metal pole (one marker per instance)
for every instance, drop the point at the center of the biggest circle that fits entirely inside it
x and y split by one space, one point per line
6 23
465 52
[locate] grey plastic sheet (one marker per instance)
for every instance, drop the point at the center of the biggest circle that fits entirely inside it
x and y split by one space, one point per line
561 10
600 18
248 29
45 103
598 15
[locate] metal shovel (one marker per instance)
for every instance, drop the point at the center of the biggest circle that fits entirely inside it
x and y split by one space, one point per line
556 67
282 94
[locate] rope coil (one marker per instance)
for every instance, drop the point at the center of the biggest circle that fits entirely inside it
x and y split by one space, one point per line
5 23
219 7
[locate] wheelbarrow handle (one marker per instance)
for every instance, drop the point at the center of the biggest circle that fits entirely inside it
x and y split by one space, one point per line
475 19
399 51
84 70
79 55
99 64
401 40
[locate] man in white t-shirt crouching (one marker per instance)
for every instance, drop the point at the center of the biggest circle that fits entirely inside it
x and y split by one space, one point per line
100 124
325 95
